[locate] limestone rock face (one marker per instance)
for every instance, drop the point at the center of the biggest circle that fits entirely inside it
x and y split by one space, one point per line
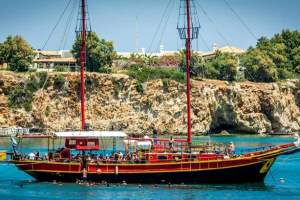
113 103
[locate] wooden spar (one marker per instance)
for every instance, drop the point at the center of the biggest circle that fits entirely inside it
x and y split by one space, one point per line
83 61
188 63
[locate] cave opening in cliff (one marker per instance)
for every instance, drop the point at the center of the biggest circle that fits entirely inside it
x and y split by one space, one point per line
223 127
224 119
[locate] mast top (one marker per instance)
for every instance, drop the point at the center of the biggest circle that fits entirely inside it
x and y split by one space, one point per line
83 15
187 10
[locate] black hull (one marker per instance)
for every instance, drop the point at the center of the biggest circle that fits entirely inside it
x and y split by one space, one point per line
241 174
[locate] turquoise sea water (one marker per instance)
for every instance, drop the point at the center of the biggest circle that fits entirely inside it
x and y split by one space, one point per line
283 181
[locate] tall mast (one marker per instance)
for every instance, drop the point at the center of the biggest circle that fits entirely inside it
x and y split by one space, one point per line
83 61
188 65
188 30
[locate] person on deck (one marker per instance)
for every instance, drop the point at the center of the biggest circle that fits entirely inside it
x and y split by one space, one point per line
84 174
155 135
120 156
31 156
37 156
65 153
171 143
231 148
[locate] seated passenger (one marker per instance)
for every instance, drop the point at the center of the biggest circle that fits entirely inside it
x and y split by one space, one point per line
171 143
31 156
37 156
116 156
65 153
120 158
231 148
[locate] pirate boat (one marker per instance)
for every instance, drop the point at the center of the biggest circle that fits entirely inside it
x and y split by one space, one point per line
86 155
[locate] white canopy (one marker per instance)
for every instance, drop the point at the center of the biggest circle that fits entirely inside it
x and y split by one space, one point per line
95 134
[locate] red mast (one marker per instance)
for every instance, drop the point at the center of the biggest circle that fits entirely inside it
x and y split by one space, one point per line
188 64
83 61
188 30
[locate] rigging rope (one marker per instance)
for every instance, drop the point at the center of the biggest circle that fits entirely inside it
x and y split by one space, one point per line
240 19
68 27
57 23
204 41
165 24
159 25
64 34
212 22
88 18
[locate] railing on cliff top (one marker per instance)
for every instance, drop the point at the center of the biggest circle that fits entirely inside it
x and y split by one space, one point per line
15 131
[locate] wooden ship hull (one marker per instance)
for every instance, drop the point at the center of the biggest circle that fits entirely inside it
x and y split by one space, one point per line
248 168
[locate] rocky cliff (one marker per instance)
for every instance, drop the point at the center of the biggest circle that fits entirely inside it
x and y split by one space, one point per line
114 103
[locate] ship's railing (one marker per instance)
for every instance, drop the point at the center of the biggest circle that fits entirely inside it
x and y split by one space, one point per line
181 145
255 149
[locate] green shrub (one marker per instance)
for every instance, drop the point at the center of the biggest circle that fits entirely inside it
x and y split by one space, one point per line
139 87
118 86
32 84
37 81
298 85
28 106
20 97
43 79
148 105
105 70
59 82
143 74
165 131
88 83
47 111
32 70
166 84
284 73
259 67
61 69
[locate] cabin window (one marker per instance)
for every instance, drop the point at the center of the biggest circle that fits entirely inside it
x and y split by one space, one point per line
72 142
162 157
91 144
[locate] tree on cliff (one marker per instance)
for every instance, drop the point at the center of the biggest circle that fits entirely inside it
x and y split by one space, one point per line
197 66
259 67
223 66
284 51
17 53
100 53
226 65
